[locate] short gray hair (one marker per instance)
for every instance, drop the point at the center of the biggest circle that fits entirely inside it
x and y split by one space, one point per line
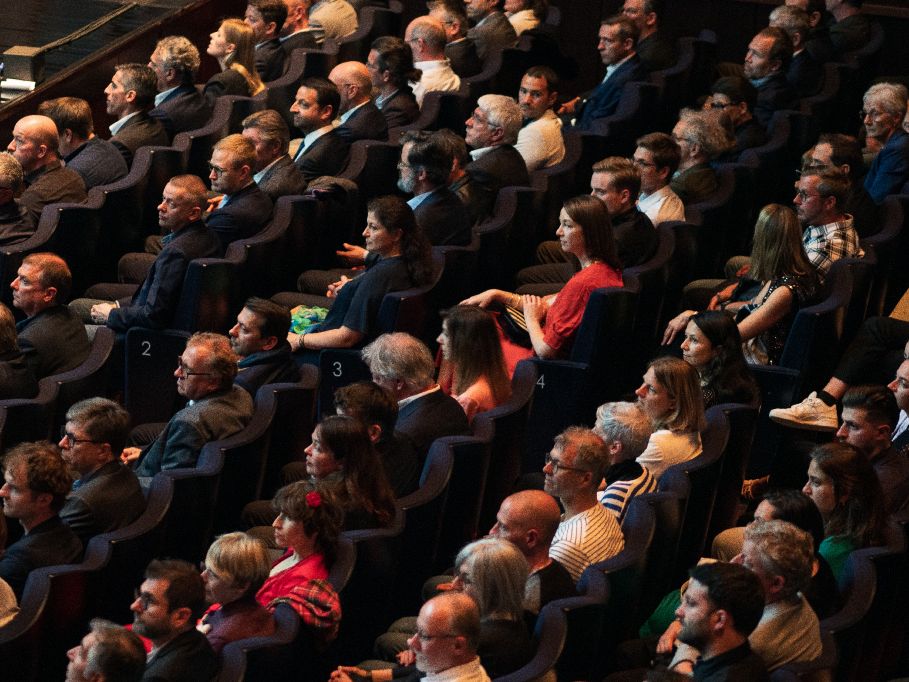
177 52
402 357
11 171
793 20
707 131
503 112
221 361
588 448
271 126
499 571
891 97
626 423
117 654
784 550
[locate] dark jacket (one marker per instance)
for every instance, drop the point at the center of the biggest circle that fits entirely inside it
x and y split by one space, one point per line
53 341
105 500
245 213
774 94
186 658
16 378
366 123
805 74
502 166
50 184
604 99
429 417
270 60
695 184
268 367
282 179
326 156
14 223
657 52
228 82
493 34
401 108
635 237
183 109
444 219
98 161
464 58
140 130
47 544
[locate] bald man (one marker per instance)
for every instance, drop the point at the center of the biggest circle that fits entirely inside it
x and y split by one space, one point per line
47 181
360 117
426 38
528 520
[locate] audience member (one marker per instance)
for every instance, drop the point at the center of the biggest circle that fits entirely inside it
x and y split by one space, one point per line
259 339
35 488
850 30
17 380
233 46
838 153
98 161
525 15
106 495
390 64
491 32
656 51
323 151
168 603
883 109
130 96
266 18
360 118
540 140
900 388
459 181
735 96
701 139
805 73
14 223
107 653
333 19
297 31
426 38
275 172
766 63
657 158
178 105
51 336
625 430
460 50
47 180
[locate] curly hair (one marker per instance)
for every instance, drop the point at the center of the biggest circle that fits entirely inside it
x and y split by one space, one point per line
783 550
45 470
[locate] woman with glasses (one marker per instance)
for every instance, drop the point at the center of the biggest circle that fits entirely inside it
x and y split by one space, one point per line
232 45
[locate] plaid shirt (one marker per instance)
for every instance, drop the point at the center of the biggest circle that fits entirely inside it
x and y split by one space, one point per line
826 244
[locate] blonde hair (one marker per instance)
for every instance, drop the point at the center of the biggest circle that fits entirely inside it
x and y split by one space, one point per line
242 59
240 558
778 247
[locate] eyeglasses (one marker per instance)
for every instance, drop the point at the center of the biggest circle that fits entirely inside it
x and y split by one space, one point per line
803 195
218 171
423 637
187 372
145 599
71 440
642 163
719 105
557 465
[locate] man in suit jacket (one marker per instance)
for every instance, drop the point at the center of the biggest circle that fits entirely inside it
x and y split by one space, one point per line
266 18
98 161
701 139
657 52
403 365
296 32
178 104
323 150
276 174
130 95
36 484
259 339
492 131
460 50
766 61
617 40
216 409
106 496
805 73
491 32
390 64
52 337
360 118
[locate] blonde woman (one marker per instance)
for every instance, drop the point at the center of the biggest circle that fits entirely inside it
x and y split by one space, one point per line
232 45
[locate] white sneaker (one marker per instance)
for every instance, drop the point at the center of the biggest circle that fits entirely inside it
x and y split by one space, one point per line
811 414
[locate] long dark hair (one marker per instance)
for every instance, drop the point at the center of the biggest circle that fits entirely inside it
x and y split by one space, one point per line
727 373
593 217
476 351
394 214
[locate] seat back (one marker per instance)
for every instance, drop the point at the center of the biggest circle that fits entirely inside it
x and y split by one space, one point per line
557 182
857 585
887 245
292 423
28 419
673 84
440 110
669 508
703 64
635 116
713 217
199 143
208 297
458 277
373 165
262 658
549 634
584 619
770 163
150 393
483 83
862 271
373 23
822 107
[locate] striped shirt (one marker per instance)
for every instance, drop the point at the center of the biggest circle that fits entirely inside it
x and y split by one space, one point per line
587 538
619 493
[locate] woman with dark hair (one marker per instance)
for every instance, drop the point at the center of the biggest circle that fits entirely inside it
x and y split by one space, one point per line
713 347
400 258
473 367
308 525
671 398
526 15
787 280
232 45
843 485
585 231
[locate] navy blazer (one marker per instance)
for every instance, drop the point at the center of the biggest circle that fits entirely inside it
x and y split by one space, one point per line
502 166
183 109
47 544
98 161
805 74
245 213
326 156
890 169
155 303
444 218
401 109
282 179
429 417
267 367
186 658
270 60
366 123
604 99
774 94
139 131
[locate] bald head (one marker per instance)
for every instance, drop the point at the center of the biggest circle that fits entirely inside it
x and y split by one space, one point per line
452 621
426 37
34 142
528 519
353 82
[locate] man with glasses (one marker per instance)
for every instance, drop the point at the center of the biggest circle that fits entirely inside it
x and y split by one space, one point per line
168 603
217 408
735 96
106 494
588 533
843 153
701 139
657 157
883 109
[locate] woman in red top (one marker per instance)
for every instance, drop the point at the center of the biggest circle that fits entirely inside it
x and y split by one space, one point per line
585 231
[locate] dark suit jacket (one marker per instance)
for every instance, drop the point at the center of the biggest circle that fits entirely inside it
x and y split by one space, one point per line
493 34
503 166
401 109
245 214
805 74
464 58
50 184
305 39
366 123
270 60
98 161
890 169
186 658
155 302
429 417
657 52
268 367
635 237
214 417
850 34
749 134
604 99
14 223
140 131
108 499
326 156
184 109
444 218
695 184
228 82
774 94
282 179
53 341
47 544
17 380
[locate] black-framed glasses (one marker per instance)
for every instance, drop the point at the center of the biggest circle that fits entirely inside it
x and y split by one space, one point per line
186 371
217 170
71 440
557 465
145 599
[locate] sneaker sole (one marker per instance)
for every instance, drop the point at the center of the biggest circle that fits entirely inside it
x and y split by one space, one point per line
806 426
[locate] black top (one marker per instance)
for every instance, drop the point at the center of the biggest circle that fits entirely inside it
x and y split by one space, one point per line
636 240
186 658
736 665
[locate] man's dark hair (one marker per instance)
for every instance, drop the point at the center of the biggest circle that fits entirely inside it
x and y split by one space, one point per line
396 57
275 318
455 143
665 150
782 46
271 11
737 89
326 92
369 403
878 403
117 653
103 420
547 74
735 590
627 28
54 272
142 80
69 112
185 588
845 149
430 154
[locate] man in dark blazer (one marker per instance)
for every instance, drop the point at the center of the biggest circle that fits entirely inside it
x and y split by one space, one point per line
259 340
492 131
618 37
130 95
178 104
52 337
276 174
106 496
296 32
655 49
323 150
35 487
766 61
266 18
403 365
460 50
805 73
491 32
701 139
359 116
